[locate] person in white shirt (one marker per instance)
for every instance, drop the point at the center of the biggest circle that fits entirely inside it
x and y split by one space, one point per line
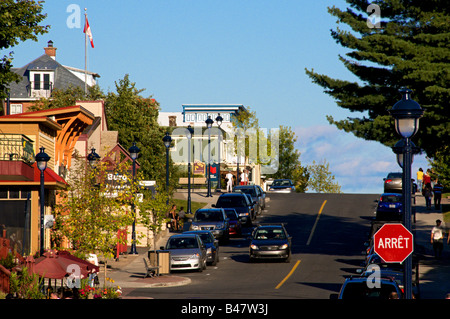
229 178
437 238
244 178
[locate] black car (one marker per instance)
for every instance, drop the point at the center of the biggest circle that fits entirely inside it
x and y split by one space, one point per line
255 193
282 186
211 243
358 288
240 203
270 242
214 220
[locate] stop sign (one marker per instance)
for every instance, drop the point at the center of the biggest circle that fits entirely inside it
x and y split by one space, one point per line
393 243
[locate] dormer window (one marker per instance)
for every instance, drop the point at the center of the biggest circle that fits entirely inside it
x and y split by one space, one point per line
41 83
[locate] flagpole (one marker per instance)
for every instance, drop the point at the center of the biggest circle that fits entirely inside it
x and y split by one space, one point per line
85 54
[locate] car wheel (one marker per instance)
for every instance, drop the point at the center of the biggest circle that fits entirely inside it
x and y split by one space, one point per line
216 259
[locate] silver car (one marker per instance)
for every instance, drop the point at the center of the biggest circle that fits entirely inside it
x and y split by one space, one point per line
187 252
213 219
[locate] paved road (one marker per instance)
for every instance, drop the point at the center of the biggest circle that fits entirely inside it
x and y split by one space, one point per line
328 232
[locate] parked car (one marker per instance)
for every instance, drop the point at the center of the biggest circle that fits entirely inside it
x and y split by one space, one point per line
390 207
211 243
214 220
282 186
270 241
263 196
393 184
255 193
396 275
240 203
358 288
235 222
187 252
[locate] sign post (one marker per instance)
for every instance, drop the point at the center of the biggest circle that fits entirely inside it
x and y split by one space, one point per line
393 243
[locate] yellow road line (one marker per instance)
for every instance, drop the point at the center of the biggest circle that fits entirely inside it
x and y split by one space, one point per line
288 275
315 224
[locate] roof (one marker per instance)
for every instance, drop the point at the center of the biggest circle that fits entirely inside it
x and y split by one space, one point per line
63 77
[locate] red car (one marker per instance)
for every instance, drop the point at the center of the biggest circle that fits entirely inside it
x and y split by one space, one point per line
235 223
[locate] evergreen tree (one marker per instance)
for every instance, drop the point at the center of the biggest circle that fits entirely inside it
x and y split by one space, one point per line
411 48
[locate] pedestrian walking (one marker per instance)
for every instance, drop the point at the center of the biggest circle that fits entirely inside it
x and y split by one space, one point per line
244 178
437 239
427 193
420 179
229 178
437 191
426 178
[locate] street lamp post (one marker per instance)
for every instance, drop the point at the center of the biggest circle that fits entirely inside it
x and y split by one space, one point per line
219 120
167 141
41 161
407 113
209 122
189 132
92 158
134 153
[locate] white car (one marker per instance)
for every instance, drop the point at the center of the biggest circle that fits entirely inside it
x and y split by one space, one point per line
187 252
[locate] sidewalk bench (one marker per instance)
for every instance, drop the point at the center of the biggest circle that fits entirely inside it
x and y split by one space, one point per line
151 271
195 181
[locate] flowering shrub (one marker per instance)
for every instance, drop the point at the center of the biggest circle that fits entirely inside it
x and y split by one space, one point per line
88 292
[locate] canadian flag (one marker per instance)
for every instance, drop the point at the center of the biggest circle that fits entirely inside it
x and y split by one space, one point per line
87 30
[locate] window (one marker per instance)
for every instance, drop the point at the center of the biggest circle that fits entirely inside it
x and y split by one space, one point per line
15 109
46 81
37 81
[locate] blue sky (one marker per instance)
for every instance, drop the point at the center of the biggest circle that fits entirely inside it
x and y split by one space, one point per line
250 52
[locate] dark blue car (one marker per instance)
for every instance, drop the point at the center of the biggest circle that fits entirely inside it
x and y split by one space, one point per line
390 207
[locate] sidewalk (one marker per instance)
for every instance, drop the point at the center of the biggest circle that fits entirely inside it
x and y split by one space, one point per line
129 271
434 279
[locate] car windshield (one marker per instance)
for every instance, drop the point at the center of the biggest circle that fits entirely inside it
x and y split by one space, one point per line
208 216
182 243
250 191
231 214
231 201
281 183
394 175
391 199
206 238
269 234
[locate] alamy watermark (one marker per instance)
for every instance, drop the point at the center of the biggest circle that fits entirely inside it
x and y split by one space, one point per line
374 19
257 146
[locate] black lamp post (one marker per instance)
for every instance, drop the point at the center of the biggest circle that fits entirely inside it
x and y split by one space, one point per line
41 161
219 120
134 153
209 122
93 158
189 132
167 141
407 113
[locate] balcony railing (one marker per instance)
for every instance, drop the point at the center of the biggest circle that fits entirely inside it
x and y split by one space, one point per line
40 89
16 147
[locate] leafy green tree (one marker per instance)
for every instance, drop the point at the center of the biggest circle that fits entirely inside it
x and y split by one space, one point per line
410 49
153 210
289 165
19 21
136 120
320 178
96 206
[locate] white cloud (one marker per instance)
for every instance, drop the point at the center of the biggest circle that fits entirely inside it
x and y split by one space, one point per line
358 165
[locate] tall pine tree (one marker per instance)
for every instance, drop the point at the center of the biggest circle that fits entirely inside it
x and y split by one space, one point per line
411 48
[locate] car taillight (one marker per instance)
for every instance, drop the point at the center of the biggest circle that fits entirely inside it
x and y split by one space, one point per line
388 181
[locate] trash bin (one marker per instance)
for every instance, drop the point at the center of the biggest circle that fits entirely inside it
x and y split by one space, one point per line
163 261
160 259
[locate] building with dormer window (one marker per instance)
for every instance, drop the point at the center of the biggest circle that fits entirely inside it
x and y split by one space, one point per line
40 77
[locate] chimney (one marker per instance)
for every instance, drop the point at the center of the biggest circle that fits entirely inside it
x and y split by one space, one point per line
50 50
